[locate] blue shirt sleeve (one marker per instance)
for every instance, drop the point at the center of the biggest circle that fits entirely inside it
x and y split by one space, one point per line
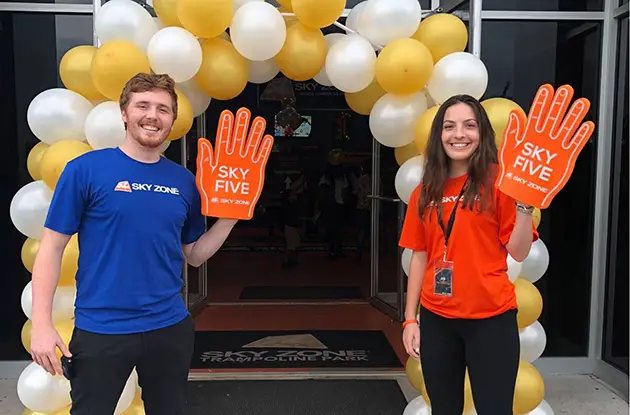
69 201
195 225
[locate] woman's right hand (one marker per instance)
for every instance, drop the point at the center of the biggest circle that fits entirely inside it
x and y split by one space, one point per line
44 343
411 339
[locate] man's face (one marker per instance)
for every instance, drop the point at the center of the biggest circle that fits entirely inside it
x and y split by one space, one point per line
149 117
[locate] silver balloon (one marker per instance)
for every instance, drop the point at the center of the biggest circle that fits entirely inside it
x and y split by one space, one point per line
29 208
63 302
104 127
458 73
393 118
351 64
417 406
322 77
352 21
408 177
258 31
533 341
39 391
58 114
176 52
125 20
382 21
199 100
262 71
514 268
405 259
543 409
536 263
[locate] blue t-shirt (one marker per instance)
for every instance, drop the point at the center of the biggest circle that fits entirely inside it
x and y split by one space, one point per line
132 219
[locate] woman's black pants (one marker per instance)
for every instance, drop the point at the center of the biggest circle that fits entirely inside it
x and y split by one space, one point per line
489 348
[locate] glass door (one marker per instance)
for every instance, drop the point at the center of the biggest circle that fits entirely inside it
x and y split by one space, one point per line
387 277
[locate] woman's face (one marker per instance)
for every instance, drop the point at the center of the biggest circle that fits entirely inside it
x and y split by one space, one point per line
460 132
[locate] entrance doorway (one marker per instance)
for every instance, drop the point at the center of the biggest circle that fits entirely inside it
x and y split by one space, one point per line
313 282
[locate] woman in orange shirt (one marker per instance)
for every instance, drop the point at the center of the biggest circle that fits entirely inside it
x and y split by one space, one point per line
461 229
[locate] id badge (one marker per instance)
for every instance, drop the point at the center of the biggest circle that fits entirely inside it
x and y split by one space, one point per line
443 284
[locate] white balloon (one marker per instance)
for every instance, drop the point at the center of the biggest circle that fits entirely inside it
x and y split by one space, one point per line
199 100
39 391
322 77
258 31
543 409
352 21
351 64
262 71
408 177
158 23
239 3
58 114
104 127
128 393
405 259
29 208
393 118
533 341
417 406
176 52
63 302
536 263
458 73
382 21
125 20
514 268
165 146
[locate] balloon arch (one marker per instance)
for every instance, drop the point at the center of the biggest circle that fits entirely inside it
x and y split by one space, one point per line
394 63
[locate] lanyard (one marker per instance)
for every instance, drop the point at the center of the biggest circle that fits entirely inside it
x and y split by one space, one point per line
451 219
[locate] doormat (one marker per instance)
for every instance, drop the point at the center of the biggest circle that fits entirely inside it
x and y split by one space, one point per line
293 349
274 397
300 293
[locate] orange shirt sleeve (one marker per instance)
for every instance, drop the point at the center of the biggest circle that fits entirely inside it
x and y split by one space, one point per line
506 211
413 235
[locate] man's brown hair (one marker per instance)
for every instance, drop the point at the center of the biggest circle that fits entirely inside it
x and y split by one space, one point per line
144 82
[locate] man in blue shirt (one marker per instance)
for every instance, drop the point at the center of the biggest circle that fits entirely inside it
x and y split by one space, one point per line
138 217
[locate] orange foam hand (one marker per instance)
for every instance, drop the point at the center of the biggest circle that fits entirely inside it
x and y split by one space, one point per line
231 176
538 153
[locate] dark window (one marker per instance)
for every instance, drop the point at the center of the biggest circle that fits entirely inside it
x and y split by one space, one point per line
521 56
545 5
616 309
31 46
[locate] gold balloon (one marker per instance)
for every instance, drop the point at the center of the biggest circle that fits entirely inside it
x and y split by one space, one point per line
288 20
223 74
166 11
403 154
34 160
26 335
115 63
75 73
404 66
443 34
137 405
498 110
184 120
205 18
57 156
317 14
422 130
286 4
529 302
29 251
303 54
69 263
529 390
537 217
363 101
64 411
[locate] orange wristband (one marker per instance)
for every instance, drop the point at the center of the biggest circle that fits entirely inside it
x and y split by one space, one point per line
406 322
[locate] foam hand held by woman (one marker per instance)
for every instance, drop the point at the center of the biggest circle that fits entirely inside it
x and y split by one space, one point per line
231 176
538 154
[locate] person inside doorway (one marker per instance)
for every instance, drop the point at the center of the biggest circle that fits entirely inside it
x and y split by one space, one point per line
364 206
461 229
129 311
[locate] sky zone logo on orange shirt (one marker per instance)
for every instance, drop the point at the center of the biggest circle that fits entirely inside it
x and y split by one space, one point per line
125 186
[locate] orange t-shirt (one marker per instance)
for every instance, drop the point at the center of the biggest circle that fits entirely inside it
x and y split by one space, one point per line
480 284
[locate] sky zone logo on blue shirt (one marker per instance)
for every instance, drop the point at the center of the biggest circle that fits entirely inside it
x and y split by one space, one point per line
125 186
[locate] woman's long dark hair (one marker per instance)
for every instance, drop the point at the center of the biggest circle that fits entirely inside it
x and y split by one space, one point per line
481 165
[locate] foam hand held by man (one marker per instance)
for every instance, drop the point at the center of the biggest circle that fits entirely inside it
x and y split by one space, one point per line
231 176
538 153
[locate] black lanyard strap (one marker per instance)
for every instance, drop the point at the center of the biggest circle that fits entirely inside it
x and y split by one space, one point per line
451 219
